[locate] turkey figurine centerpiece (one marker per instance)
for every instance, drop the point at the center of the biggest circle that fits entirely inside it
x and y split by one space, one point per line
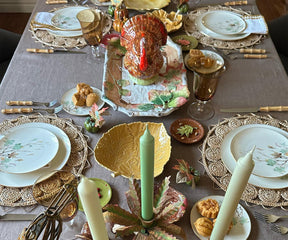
142 36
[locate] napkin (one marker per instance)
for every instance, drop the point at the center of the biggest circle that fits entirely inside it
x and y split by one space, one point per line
255 24
42 19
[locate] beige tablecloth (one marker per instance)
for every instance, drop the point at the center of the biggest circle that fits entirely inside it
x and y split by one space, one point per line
247 82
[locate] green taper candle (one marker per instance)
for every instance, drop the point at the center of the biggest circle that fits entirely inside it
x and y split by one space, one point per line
147 174
237 185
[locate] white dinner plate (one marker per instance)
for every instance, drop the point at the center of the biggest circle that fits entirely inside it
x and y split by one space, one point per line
230 162
209 33
66 19
70 108
58 162
25 150
241 222
224 22
270 150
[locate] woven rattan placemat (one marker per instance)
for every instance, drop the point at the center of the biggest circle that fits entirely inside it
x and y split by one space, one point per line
77 161
215 168
191 30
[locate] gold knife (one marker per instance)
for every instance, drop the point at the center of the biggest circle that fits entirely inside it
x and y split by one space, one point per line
257 109
18 217
37 50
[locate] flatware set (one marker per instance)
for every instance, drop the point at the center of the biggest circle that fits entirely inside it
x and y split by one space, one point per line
36 50
30 103
31 110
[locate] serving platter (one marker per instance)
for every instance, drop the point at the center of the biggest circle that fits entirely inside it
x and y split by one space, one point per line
166 95
224 22
58 162
241 221
25 150
230 162
69 107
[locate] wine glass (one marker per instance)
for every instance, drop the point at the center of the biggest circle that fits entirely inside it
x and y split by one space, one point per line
92 22
204 88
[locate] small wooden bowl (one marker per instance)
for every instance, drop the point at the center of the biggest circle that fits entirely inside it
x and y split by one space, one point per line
196 135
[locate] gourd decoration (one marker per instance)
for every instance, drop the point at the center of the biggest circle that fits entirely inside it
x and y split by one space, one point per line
121 15
142 36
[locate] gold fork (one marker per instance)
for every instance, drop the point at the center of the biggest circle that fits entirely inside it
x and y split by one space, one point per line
269 218
279 229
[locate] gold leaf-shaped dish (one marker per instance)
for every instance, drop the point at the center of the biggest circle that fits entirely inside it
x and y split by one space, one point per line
118 149
146 4
172 21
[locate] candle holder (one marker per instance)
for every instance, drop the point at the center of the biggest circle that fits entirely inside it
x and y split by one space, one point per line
169 207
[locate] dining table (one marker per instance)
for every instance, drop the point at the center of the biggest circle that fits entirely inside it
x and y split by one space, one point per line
245 83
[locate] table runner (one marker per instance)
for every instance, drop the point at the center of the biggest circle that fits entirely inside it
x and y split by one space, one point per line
76 163
217 171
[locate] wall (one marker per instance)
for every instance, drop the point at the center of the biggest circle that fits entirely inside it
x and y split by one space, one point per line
17 5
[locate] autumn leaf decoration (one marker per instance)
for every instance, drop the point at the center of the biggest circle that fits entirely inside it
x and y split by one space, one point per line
186 173
169 207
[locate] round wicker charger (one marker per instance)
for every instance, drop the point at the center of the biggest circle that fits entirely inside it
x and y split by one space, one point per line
77 161
215 168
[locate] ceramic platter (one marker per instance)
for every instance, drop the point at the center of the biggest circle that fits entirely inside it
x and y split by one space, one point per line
274 153
25 150
168 93
145 4
124 139
98 3
241 222
70 108
65 18
224 22
206 31
57 163
218 64
105 192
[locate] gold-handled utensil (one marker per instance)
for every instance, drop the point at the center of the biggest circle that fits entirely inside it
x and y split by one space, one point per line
17 217
249 56
269 218
36 50
31 110
252 50
235 3
257 109
30 103
279 229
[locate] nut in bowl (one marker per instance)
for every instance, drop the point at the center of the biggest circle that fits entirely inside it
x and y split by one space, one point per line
172 20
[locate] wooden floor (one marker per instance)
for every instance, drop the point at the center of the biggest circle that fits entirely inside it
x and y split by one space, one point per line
14 22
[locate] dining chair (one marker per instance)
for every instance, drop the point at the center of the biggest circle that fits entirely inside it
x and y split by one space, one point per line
8 44
279 35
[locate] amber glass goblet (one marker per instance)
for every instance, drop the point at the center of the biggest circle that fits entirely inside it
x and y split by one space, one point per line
92 22
204 88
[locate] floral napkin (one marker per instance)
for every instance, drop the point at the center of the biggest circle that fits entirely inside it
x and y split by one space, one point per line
256 24
42 19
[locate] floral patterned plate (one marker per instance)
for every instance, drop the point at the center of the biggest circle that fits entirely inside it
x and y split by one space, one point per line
271 152
230 163
27 149
241 222
57 163
70 108
158 99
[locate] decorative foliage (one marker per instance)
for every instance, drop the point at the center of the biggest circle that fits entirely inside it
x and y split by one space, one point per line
96 115
169 207
186 173
185 130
